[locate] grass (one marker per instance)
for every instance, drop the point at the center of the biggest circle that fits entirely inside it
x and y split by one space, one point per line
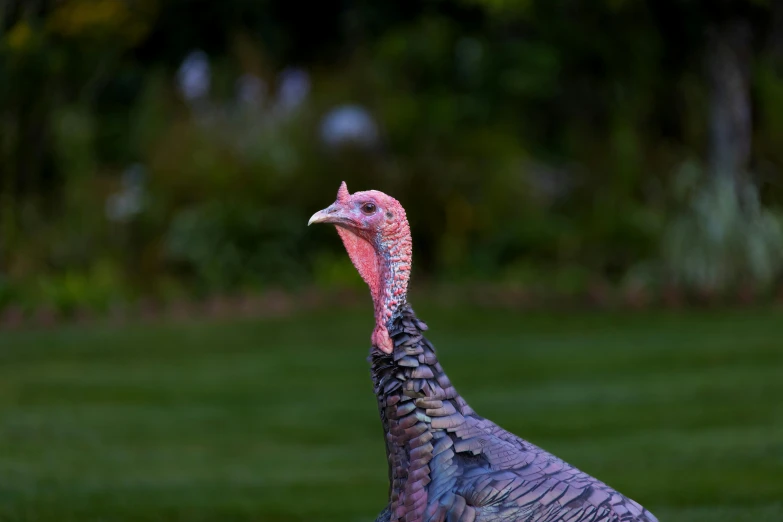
275 420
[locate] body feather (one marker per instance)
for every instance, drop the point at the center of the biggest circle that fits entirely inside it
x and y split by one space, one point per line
448 464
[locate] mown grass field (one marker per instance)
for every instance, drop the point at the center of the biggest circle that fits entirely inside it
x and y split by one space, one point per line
274 420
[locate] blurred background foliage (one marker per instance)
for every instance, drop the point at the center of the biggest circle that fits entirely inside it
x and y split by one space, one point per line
176 149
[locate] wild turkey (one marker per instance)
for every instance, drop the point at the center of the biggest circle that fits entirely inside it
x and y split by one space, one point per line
446 463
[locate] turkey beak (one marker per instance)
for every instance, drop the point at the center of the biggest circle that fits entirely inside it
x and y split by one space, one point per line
331 214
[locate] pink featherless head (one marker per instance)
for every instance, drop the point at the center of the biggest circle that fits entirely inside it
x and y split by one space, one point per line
375 232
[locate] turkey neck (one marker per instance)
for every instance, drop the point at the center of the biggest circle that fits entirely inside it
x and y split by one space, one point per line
383 260
417 403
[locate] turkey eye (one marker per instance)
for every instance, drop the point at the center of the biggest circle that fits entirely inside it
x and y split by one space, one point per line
368 208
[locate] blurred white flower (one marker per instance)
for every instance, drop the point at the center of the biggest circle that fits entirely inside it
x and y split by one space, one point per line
122 206
349 124
293 89
194 76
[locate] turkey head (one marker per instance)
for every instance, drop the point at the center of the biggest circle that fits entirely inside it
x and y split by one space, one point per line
375 232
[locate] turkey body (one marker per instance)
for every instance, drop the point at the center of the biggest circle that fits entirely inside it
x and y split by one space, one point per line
446 463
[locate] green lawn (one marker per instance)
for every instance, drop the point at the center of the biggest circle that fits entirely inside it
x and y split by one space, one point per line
275 420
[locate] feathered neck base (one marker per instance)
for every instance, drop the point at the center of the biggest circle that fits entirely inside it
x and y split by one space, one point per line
417 404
